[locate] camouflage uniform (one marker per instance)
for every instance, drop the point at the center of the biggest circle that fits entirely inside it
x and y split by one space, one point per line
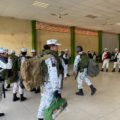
51 85
0 90
81 75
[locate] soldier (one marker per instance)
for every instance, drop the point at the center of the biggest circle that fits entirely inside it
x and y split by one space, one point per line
63 74
66 61
105 59
51 86
116 59
3 66
34 55
80 72
18 84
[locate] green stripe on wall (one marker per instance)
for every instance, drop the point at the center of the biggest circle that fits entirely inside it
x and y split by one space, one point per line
100 42
72 39
34 41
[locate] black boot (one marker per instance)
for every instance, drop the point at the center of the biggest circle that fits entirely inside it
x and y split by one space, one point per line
8 86
33 90
102 70
113 70
68 75
2 114
22 98
93 89
106 70
119 70
80 92
15 98
37 90
40 119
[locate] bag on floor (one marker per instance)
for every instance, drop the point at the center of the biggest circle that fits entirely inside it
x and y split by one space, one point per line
93 68
56 107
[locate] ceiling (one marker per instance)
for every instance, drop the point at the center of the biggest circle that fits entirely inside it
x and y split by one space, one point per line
90 14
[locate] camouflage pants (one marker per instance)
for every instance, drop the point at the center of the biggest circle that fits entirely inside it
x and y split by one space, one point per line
1 90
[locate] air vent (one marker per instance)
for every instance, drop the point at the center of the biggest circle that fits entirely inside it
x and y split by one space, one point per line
91 16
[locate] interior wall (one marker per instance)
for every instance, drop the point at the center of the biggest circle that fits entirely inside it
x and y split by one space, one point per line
15 34
63 38
88 42
110 41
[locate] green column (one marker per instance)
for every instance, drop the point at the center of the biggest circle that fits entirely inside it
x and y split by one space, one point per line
119 41
34 33
100 42
72 39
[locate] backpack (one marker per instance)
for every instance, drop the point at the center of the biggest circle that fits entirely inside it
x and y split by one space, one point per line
93 68
83 62
33 72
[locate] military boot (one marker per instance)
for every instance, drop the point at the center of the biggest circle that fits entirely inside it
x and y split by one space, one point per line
2 114
22 98
102 70
113 70
15 98
37 90
40 119
8 86
80 92
93 89
106 70
119 70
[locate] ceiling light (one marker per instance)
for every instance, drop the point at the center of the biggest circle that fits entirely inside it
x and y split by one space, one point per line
60 15
40 4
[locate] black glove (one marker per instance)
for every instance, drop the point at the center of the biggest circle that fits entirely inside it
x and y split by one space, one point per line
57 94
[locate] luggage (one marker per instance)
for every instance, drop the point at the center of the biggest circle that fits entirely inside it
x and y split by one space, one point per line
56 107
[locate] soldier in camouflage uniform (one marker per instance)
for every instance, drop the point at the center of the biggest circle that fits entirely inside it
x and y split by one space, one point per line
50 88
18 85
34 55
81 73
3 67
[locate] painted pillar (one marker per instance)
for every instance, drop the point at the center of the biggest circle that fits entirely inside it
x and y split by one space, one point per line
72 39
100 42
119 41
34 34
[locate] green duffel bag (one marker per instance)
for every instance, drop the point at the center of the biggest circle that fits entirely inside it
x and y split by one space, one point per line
56 107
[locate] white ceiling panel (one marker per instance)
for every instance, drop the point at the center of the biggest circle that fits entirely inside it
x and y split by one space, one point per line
91 14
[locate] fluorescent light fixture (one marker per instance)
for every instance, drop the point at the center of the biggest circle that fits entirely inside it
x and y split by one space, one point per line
40 4
117 23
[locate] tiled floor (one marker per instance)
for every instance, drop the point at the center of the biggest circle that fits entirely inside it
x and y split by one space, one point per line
104 105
